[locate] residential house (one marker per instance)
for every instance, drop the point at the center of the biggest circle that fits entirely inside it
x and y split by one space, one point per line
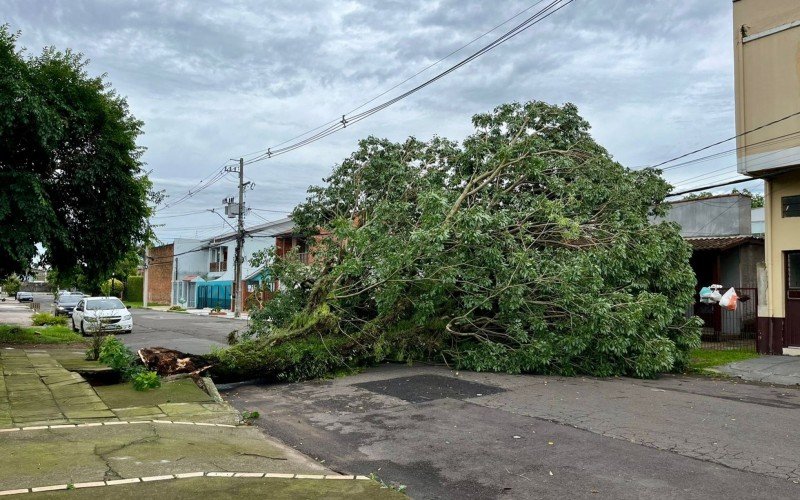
726 251
201 272
767 85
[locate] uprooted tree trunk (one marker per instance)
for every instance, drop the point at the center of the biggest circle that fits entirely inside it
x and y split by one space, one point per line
525 249
167 362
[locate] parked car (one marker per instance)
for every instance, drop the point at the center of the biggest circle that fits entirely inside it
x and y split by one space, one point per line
24 297
105 314
65 303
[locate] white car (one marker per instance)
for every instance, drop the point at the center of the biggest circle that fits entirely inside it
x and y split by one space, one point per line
105 314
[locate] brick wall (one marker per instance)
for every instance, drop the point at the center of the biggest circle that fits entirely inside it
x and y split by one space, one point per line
159 275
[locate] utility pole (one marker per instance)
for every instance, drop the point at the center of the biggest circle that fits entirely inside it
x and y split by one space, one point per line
236 291
146 265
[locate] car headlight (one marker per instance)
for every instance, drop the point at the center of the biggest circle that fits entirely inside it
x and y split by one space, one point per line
90 319
127 317
60 308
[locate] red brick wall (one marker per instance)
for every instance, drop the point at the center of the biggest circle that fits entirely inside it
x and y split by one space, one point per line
159 275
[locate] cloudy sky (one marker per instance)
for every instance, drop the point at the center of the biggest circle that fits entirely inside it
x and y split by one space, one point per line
215 80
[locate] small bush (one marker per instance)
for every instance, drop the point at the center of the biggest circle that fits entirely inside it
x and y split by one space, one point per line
145 380
47 319
177 308
112 287
116 355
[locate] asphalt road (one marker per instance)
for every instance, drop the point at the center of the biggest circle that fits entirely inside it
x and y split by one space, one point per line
184 332
467 435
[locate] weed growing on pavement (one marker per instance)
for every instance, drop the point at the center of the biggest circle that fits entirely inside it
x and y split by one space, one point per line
390 486
145 380
248 417
116 355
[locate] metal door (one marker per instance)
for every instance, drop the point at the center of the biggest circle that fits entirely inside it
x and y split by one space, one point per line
791 337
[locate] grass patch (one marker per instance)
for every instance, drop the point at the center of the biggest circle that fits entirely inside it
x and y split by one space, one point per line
134 304
176 391
702 359
38 335
47 319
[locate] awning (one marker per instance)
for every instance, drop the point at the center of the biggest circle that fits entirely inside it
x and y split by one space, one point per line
722 242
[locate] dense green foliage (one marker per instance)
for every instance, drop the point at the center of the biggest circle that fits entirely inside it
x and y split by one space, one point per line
134 288
48 319
145 380
11 285
71 176
525 249
116 355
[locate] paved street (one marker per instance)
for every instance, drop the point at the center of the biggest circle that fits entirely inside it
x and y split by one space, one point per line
472 435
184 332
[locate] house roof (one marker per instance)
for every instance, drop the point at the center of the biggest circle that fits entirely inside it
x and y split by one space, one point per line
722 242
267 227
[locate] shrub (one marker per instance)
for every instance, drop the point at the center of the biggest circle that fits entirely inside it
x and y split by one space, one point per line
145 380
47 319
116 355
134 288
177 308
112 287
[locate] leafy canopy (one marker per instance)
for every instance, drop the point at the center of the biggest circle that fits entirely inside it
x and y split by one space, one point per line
71 174
524 249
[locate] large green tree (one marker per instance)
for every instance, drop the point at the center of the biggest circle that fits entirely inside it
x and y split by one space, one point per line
71 175
526 248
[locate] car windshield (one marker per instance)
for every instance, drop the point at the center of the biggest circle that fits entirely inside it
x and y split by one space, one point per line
69 299
104 304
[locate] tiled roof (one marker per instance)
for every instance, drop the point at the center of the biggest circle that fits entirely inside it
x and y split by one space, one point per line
721 242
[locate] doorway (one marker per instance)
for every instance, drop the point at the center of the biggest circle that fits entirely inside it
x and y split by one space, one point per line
791 336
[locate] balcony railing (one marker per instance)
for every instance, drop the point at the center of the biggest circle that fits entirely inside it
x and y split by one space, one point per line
218 267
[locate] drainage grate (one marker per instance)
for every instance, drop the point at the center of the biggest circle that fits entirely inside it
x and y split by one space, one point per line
421 388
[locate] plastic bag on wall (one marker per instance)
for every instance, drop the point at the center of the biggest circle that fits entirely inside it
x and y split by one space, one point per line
729 300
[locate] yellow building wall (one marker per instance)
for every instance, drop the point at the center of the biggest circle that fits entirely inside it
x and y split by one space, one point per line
783 233
767 83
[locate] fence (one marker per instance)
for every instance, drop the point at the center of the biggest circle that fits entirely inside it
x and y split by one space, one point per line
726 330
214 295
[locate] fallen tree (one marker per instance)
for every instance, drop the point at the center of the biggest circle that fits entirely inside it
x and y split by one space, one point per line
525 249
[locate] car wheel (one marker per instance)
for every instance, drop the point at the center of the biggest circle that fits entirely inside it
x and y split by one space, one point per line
83 331
73 326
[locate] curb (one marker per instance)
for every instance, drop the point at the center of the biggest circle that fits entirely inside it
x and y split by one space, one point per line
185 475
114 422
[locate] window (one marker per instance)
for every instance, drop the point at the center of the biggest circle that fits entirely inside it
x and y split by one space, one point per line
219 254
219 260
790 206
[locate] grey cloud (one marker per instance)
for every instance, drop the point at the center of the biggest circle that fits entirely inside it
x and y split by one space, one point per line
212 80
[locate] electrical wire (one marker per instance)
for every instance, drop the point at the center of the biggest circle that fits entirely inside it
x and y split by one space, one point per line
336 125
760 127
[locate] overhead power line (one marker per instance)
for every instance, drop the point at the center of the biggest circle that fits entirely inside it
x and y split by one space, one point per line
334 126
729 183
760 127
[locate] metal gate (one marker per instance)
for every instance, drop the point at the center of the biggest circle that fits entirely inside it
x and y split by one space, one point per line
214 295
724 329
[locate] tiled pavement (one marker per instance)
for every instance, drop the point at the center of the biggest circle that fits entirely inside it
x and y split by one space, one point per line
36 390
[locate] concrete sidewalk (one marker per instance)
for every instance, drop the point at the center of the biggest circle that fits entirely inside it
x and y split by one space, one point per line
58 433
14 313
782 370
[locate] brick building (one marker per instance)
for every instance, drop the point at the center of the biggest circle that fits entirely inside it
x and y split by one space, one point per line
159 283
